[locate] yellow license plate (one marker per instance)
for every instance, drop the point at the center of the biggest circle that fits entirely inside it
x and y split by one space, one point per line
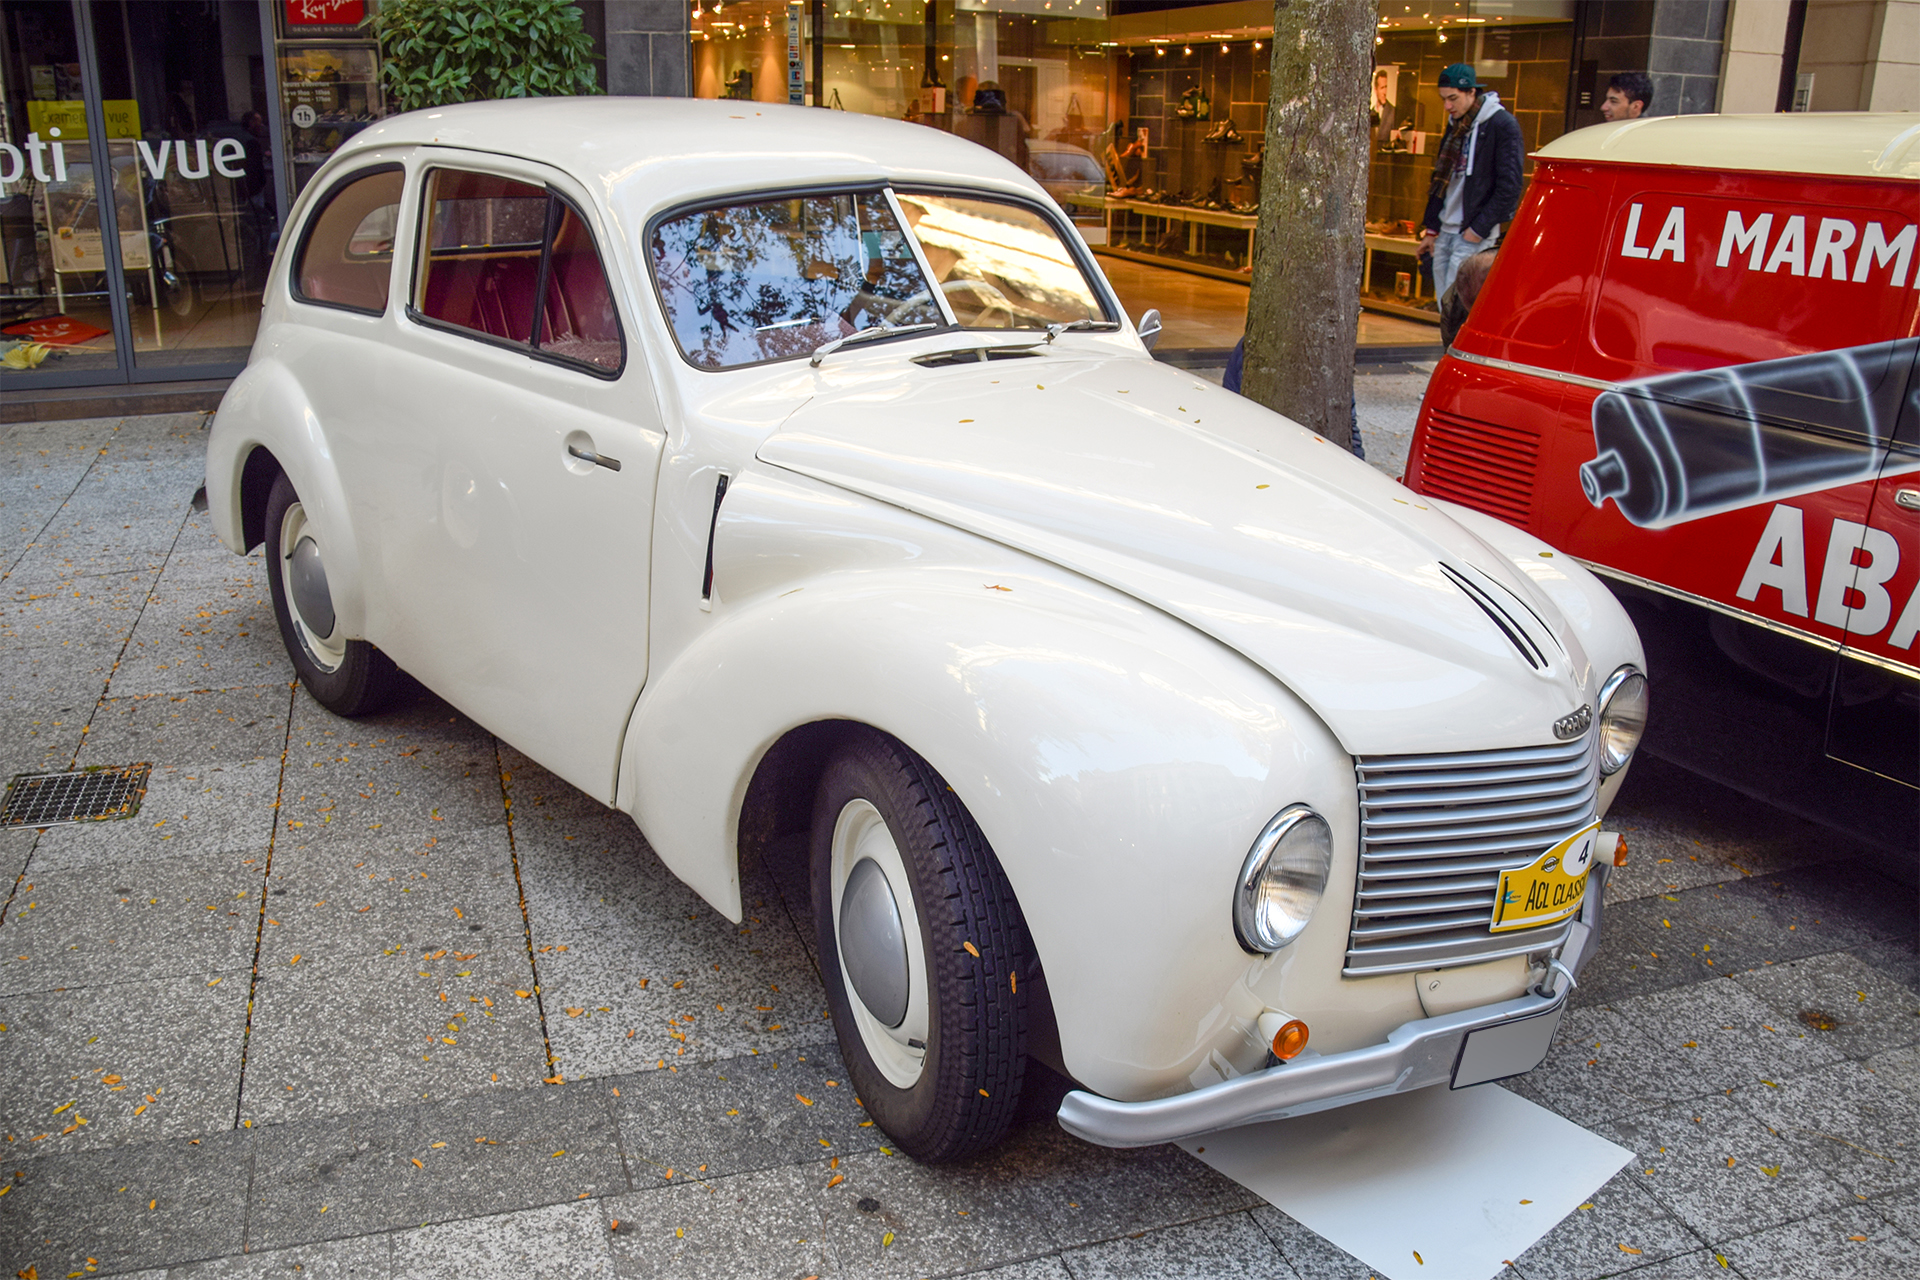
1548 889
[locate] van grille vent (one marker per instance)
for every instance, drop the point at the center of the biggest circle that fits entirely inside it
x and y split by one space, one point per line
1437 830
1477 464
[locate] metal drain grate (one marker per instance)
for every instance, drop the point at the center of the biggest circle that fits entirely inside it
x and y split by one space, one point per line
84 795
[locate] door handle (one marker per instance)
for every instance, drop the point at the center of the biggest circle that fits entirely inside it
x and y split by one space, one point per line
1907 498
597 459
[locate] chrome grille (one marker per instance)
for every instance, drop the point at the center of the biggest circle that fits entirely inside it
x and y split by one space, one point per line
1436 831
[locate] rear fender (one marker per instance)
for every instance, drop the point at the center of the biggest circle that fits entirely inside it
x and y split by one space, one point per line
266 408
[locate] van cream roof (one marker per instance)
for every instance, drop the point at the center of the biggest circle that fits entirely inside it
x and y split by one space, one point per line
1846 144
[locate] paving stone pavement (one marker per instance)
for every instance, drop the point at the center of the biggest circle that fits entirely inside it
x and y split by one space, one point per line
383 998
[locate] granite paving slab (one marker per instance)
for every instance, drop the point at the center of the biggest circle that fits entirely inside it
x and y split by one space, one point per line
717 1119
435 1162
367 1258
333 1035
191 915
1640 953
1797 913
1901 1211
1719 1170
1725 1036
1601 1066
1898 958
208 625
1053 1267
39 741
1224 1248
1899 1068
889 1216
42 681
172 1045
97 611
763 1223
1311 1255
560 1242
184 729
1845 1119
209 807
369 896
1619 1227
1858 1009
417 768
708 994
147 1206
1851 1243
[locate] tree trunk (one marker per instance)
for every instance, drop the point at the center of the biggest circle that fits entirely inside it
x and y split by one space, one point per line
1305 306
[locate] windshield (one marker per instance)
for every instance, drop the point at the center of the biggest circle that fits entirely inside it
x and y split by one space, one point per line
747 283
769 280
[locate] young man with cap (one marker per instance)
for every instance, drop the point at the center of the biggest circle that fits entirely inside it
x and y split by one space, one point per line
1476 175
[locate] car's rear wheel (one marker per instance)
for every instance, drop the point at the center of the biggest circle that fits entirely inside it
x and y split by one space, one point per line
923 948
347 677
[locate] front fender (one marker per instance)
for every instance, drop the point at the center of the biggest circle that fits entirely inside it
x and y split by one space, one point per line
1120 763
266 408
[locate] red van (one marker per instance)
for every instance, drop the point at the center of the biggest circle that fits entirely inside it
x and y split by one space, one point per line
1693 367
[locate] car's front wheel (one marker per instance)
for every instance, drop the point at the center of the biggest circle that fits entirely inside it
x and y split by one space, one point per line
923 948
347 677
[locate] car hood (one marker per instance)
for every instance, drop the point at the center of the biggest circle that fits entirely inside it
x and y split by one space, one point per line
1403 631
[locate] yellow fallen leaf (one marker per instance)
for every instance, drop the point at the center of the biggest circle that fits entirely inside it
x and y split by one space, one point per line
805 1101
574 1013
524 995
1626 1248
62 1107
295 960
142 1107
1771 1170
1417 1258
1857 1239
886 1240
971 950
415 1162
836 1180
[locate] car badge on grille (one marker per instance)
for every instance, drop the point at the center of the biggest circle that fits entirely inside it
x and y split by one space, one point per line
1574 723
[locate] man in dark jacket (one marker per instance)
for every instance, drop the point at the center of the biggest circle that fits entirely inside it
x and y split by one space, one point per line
1476 175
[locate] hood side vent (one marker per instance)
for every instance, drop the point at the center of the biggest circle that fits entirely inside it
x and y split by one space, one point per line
972 355
1510 626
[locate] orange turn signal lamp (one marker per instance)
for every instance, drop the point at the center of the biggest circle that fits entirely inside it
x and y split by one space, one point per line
1289 1040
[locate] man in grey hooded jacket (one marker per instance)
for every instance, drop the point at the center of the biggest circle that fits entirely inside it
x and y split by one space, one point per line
1476 175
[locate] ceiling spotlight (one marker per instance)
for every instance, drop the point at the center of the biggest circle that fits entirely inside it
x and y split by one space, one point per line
1187 50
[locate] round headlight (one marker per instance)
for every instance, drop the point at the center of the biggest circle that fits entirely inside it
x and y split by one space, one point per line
1623 718
1282 879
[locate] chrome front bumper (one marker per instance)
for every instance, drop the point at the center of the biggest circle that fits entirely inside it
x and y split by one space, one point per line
1416 1055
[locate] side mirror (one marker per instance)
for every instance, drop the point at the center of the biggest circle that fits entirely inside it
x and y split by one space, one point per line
1149 328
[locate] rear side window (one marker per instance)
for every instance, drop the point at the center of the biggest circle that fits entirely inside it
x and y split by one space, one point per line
346 259
481 267
515 264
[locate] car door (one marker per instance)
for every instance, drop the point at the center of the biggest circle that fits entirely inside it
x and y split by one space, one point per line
1874 722
514 491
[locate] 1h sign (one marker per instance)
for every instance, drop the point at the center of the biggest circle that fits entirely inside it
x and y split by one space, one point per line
325 13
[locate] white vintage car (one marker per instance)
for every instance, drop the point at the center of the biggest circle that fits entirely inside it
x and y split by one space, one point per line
764 471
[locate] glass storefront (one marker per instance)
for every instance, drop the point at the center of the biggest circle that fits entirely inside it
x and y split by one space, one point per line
209 117
1148 124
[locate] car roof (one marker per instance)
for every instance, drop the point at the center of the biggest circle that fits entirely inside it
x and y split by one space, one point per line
1852 144
647 153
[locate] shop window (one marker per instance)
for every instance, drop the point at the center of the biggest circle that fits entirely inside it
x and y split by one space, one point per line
346 259
578 321
1001 266
480 268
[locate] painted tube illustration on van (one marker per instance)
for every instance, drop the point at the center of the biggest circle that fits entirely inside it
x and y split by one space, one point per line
1686 445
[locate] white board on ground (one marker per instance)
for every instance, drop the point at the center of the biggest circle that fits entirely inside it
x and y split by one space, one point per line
1438 1184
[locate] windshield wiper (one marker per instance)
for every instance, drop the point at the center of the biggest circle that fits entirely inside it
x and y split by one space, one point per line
882 330
1082 326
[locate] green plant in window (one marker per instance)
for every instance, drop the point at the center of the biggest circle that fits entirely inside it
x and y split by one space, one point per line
441 51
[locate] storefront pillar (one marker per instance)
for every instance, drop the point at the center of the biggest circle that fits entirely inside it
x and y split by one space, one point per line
648 43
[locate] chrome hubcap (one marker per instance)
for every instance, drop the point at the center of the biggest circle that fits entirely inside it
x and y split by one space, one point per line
307 582
883 958
303 576
872 944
